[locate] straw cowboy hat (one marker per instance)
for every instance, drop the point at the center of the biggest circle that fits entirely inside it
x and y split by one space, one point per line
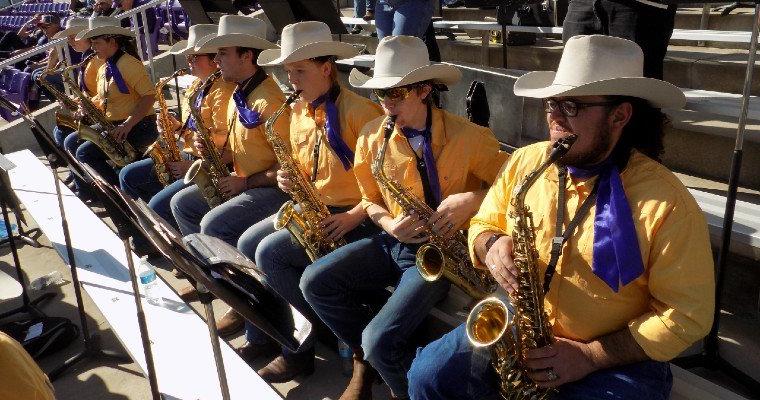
73 26
236 31
403 60
195 34
305 40
598 65
98 26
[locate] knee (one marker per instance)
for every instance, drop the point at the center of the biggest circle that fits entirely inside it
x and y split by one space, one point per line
124 175
262 250
312 283
175 204
421 378
378 343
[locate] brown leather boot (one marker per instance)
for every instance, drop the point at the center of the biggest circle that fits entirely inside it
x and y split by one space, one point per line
360 386
230 324
283 369
188 293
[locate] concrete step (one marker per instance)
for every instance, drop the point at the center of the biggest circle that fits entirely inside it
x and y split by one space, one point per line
719 70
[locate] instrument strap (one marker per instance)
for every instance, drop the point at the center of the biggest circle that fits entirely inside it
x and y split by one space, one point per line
422 167
561 237
315 156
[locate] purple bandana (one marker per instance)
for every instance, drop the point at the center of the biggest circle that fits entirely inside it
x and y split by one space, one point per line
332 125
247 117
427 154
113 71
616 258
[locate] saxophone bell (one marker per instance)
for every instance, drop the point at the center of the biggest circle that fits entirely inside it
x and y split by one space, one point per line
489 319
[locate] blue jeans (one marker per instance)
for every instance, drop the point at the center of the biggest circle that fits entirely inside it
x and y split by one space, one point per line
140 137
340 286
139 180
362 6
450 368
283 261
228 220
403 17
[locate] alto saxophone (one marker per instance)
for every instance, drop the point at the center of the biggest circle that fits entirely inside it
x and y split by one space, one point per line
65 101
447 257
488 324
206 171
302 222
120 153
165 150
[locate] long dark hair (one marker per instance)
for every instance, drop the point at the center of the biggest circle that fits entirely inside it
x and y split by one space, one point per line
124 43
643 132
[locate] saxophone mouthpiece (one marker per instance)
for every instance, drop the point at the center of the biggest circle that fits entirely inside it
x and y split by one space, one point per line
293 97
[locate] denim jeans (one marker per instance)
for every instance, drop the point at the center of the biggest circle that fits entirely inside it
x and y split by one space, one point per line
650 27
341 286
450 368
228 220
139 180
403 17
362 6
283 261
140 137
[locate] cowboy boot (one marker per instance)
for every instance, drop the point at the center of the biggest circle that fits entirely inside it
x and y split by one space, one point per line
230 323
283 369
360 386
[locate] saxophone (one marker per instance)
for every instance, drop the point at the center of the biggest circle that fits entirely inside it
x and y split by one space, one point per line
165 149
120 153
303 222
489 321
206 171
65 101
441 256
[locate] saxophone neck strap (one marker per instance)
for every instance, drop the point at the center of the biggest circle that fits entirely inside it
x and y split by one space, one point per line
560 236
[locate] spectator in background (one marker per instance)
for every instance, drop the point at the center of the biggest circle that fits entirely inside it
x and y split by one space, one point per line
408 17
102 8
20 376
364 9
14 43
647 23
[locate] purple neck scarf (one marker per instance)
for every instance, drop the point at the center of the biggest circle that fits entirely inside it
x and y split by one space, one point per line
616 258
113 71
427 154
247 117
332 125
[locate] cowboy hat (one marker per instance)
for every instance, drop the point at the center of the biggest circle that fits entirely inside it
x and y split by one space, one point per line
403 60
236 31
599 65
73 26
305 40
195 33
98 26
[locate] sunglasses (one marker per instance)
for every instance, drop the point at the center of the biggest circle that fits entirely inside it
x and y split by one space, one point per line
396 93
570 108
193 57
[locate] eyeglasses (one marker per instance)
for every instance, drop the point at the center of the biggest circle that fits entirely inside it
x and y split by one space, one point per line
394 94
569 108
193 57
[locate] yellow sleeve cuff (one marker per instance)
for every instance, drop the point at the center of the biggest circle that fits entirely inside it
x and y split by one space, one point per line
654 336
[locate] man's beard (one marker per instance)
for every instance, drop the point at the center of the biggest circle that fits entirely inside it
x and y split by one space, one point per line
593 156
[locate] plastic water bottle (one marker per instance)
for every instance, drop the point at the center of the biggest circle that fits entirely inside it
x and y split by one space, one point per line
149 283
53 278
3 231
346 358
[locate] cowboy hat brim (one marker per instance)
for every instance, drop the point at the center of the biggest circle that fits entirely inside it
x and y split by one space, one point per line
104 30
212 44
182 49
317 49
439 73
660 94
69 31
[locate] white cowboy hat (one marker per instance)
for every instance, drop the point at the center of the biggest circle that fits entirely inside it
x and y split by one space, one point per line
305 40
98 26
236 31
195 33
599 65
73 26
403 60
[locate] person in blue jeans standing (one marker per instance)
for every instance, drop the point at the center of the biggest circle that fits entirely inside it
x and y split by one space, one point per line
139 179
441 159
403 17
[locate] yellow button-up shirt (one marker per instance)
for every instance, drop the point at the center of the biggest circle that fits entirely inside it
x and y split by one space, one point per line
119 105
21 378
467 157
91 75
336 186
669 307
251 153
213 112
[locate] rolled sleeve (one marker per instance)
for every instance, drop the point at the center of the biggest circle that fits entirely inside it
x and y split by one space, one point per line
363 170
681 283
488 159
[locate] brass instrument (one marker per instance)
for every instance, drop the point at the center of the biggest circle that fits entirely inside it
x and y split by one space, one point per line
120 153
165 149
448 257
489 322
303 221
65 101
206 171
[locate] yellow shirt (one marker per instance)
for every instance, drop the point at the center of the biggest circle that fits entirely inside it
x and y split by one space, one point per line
119 105
467 156
666 309
20 376
251 153
335 185
91 75
213 112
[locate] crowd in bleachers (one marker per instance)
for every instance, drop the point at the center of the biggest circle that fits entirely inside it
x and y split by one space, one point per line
32 24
